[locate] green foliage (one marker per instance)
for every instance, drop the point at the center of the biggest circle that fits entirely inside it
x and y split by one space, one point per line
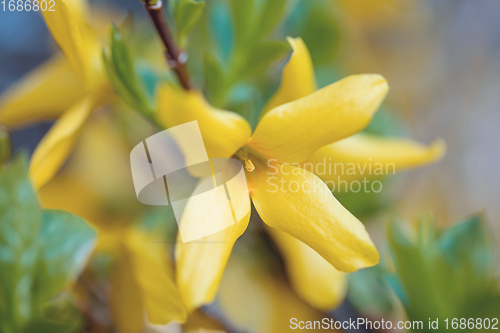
187 14
369 291
254 19
247 54
444 273
120 68
41 253
317 24
215 75
262 54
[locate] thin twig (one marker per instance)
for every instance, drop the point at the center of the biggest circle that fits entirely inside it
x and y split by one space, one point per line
176 60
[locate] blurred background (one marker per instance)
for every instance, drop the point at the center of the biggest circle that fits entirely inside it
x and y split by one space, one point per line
442 62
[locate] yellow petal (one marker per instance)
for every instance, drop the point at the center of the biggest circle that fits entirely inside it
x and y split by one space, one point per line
365 155
44 93
293 131
143 268
57 144
259 300
297 80
223 132
314 279
125 300
200 263
67 192
297 202
69 26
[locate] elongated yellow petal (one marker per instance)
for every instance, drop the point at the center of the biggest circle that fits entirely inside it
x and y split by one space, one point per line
297 202
293 131
154 278
125 300
365 155
143 273
69 26
298 76
68 192
44 93
314 279
223 132
57 144
201 262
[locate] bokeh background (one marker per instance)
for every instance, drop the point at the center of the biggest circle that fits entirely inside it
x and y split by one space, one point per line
442 62
441 59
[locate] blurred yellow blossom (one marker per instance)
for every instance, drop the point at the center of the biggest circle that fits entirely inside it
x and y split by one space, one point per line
257 300
69 88
141 281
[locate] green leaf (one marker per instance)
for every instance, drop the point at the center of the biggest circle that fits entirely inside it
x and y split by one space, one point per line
443 272
67 243
255 19
187 14
213 74
20 222
271 14
469 245
121 71
262 55
41 253
221 29
243 14
322 35
369 291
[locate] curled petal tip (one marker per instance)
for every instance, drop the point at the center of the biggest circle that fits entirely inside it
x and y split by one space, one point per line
379 81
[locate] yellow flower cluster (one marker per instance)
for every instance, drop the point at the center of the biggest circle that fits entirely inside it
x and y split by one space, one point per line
318 238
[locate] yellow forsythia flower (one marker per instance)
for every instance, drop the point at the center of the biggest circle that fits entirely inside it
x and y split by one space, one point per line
299 124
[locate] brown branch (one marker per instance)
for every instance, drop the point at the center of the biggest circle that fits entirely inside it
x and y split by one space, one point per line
176 60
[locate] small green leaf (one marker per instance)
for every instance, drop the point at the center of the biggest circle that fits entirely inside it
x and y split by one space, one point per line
187 14
243 14
121 71
369 291
213 74
67 242
221 30
322 35
469 245
271 14
262 55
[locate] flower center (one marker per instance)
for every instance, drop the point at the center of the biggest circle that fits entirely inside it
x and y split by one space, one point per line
249 160
249 166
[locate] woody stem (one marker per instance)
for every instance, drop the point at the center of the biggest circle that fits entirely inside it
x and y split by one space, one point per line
176 60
